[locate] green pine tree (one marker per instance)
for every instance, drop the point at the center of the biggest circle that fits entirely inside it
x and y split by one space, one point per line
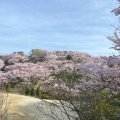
8 87
32 92
38 91
26 90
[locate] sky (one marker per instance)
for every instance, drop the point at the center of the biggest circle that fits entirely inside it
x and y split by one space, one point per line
60 25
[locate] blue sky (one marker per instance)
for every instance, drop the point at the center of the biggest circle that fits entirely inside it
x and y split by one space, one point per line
72 25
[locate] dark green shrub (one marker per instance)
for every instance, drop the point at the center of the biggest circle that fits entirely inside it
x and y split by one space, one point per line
45 96
68 57
32 92
38 92
8 87
26 90
19 80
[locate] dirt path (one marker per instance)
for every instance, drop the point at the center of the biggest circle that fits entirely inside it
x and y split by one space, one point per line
24 108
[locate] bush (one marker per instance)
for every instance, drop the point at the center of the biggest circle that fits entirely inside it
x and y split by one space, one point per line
45 96
32 92
26 90
38 92
68 57
8 87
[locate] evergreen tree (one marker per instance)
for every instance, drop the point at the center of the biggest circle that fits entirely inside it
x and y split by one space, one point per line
68 57
38 91
26 90
32 92
8 87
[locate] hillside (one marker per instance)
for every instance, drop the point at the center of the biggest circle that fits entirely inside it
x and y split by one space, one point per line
81 83
38 68
48 70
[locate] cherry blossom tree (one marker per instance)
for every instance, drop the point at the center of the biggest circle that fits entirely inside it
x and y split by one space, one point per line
1 63
13 58
115 39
